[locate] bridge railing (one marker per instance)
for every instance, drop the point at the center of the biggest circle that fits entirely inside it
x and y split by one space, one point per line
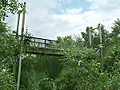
39 42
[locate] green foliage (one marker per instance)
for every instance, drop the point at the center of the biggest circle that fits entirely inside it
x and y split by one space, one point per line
8 6
80 68
40 82
116 28
9 50
36 81
6 79
83 68
39 72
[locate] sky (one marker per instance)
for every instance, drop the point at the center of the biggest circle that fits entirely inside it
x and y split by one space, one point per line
53 18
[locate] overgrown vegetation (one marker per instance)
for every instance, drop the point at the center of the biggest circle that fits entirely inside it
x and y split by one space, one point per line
8 6
83 66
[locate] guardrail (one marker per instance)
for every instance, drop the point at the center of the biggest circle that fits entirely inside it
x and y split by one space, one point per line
39 42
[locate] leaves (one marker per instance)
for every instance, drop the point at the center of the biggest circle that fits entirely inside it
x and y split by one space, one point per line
82 66
8 6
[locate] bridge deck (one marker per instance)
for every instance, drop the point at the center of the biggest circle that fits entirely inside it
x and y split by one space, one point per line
42 46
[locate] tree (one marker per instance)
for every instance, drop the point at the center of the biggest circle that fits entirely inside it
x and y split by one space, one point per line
9 50
82 66
116 28
8 6
9 46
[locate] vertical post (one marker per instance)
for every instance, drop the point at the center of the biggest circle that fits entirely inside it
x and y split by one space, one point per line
38 44
100 35
17 30
19 71
23 20
90 41
45 43
18 22
34 42
20 61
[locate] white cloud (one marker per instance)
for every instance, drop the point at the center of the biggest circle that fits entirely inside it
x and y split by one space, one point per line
109 8
106 5
74 11
63 1
42 22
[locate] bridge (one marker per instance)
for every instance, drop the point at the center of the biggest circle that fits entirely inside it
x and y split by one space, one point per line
35 45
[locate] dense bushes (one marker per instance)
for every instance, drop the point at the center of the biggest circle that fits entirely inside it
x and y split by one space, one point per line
81 67
84 69
9 49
